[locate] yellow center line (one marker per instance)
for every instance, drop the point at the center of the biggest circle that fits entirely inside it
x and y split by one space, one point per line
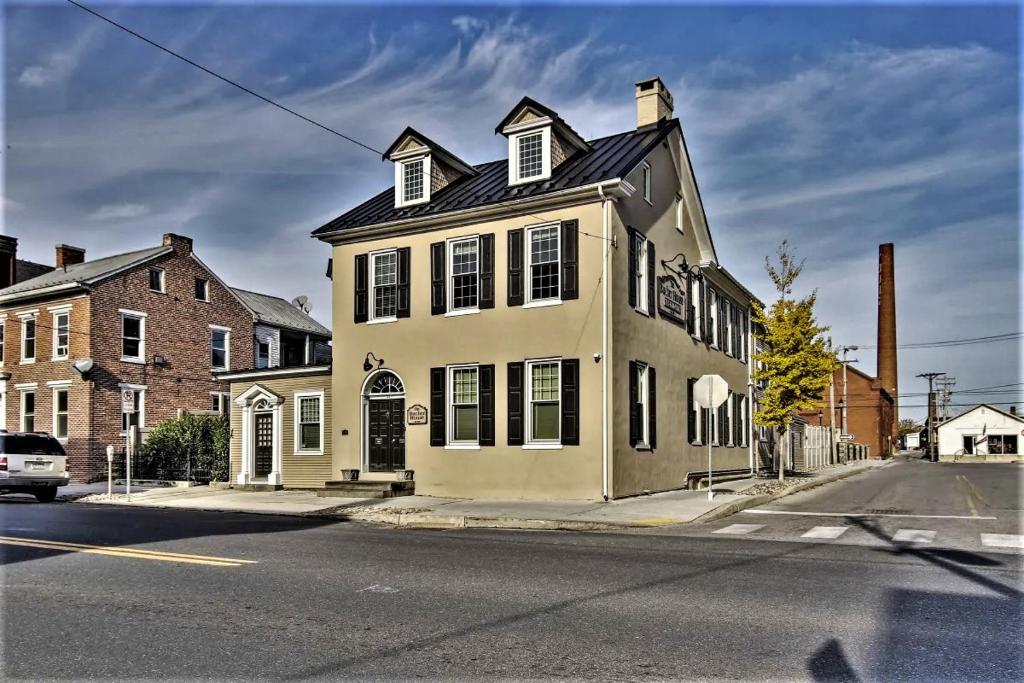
133 553
967 495
975 490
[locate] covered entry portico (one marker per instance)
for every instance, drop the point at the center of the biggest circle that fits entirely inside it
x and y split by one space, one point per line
261 436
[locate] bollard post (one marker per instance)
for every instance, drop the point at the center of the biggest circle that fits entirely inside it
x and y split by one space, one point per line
110 472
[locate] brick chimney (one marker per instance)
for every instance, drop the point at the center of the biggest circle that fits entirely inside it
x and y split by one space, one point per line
68 255
887 371
1013 410
653 102
180 243
8 260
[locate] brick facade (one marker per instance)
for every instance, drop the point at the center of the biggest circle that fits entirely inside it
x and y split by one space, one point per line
871 413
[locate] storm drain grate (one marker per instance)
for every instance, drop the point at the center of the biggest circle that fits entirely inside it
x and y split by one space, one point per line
888 511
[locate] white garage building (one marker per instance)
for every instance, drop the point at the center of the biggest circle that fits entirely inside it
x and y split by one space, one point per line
982 433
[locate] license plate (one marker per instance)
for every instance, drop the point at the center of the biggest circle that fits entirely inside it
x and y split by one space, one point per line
36 466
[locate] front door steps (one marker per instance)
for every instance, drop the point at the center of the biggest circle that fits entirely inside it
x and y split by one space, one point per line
367 489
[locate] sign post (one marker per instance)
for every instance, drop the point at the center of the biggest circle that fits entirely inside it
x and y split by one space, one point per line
110 472
127 408
710 391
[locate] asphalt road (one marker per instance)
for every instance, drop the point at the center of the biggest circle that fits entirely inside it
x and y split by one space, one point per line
336 600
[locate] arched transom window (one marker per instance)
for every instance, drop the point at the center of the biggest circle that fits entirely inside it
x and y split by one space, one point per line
386 383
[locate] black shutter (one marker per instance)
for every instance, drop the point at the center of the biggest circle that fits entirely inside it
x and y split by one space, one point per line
437 420
570 260
634 406
438 301
403 305
689 303
632 237
705 424
721 321
515 403
515 267
651 282
723 425
703 304
737 419
487 271
691 412
360 309
570 402
652 408
486 405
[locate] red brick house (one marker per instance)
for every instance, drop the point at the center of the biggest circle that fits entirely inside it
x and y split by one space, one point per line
157 322
870 412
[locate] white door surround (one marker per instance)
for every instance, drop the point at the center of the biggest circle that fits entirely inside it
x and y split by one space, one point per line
259 399
382 383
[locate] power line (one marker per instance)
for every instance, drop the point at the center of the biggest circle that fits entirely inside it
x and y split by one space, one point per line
1007 336
223 78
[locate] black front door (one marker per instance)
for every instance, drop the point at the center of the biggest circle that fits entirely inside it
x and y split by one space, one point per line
386 434
263 446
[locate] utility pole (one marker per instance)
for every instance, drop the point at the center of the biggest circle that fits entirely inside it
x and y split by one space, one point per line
846 400
932 446
945 384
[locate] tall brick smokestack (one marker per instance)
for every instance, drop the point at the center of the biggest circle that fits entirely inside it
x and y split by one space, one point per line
887 371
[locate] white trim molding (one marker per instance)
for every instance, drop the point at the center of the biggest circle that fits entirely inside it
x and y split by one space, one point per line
247 400
296 419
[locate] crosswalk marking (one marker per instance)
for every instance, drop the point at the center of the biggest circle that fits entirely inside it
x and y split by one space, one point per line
1003 540
739 529
914 536
826 532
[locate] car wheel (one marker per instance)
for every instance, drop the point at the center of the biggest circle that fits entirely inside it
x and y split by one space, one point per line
46 495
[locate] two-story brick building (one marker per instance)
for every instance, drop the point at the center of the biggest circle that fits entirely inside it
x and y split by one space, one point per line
532 327
155 322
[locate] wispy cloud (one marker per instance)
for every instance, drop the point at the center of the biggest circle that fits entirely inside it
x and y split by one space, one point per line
118 212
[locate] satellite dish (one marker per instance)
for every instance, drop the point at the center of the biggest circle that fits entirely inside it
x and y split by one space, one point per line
301 302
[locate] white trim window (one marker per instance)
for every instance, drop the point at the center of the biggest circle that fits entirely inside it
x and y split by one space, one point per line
61 412
464 405
133 336
646 181
680 212
713 319
698 323
157 280
544 402
384 285
412 181
464 266
262 352
529 156
202 289
543 254
28 339
640 273
727 327
309 422
136 418
220 347
61 334
643 399
220 402
28 410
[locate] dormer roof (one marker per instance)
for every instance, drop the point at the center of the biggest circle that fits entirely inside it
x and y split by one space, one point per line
411 141
529 109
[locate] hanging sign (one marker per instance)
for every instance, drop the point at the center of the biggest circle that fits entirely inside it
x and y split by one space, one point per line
417 415
671 299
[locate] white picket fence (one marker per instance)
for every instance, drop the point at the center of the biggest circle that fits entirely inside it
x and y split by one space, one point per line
817 448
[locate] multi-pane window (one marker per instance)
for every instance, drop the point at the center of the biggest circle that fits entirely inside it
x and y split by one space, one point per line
544 266
220 402
530 148
262 353
61 334
647 181
28 339
544 401
713 318
385 284
219 348
309 422
132 337
412 180
156 279
695 303
680 210
644 404
640 272
465 268
465 405
202 289
134 418
60 413
28 411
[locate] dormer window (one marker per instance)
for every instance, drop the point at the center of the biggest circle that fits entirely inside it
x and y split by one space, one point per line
422 168
538 141
412 181
530 153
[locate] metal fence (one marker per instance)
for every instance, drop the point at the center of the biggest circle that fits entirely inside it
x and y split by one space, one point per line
185 471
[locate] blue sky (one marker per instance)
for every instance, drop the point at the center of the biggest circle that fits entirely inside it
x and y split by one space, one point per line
833 127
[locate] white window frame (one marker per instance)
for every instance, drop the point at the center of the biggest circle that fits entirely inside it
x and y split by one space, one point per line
530 302
450 285
297 414
206 288
141 358
514 177
698 423
57 390
223 400
645 181
400 199
270 352
227 347
680 213
640 268
712 326
371 314
22 415
25 318
139 389
450 442
529 442
727 342
695 303
730 416
163 280
57 315
643 396
714 427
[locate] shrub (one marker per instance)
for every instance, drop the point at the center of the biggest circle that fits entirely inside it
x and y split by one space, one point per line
191 444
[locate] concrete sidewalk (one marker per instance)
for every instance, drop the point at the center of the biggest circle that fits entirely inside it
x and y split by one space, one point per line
656 510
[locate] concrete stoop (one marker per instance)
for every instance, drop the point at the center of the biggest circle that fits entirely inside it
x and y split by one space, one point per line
257 487
367 489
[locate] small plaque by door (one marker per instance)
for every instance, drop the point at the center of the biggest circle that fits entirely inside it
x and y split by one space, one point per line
417 414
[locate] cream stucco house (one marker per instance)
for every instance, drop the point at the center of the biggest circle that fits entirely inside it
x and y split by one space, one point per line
531 327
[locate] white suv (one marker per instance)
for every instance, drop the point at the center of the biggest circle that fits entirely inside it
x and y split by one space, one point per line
32 462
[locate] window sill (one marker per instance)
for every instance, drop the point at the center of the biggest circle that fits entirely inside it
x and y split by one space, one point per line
461 311
307 453
643 447
543 303
28 361
219 369
531 179
462 447
133 361
157 291
542 446
59 358
642 312
382 321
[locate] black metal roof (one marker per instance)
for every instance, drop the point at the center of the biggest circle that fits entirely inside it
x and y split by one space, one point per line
610 157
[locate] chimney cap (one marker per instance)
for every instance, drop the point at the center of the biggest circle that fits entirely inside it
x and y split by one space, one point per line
653 84
68 247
